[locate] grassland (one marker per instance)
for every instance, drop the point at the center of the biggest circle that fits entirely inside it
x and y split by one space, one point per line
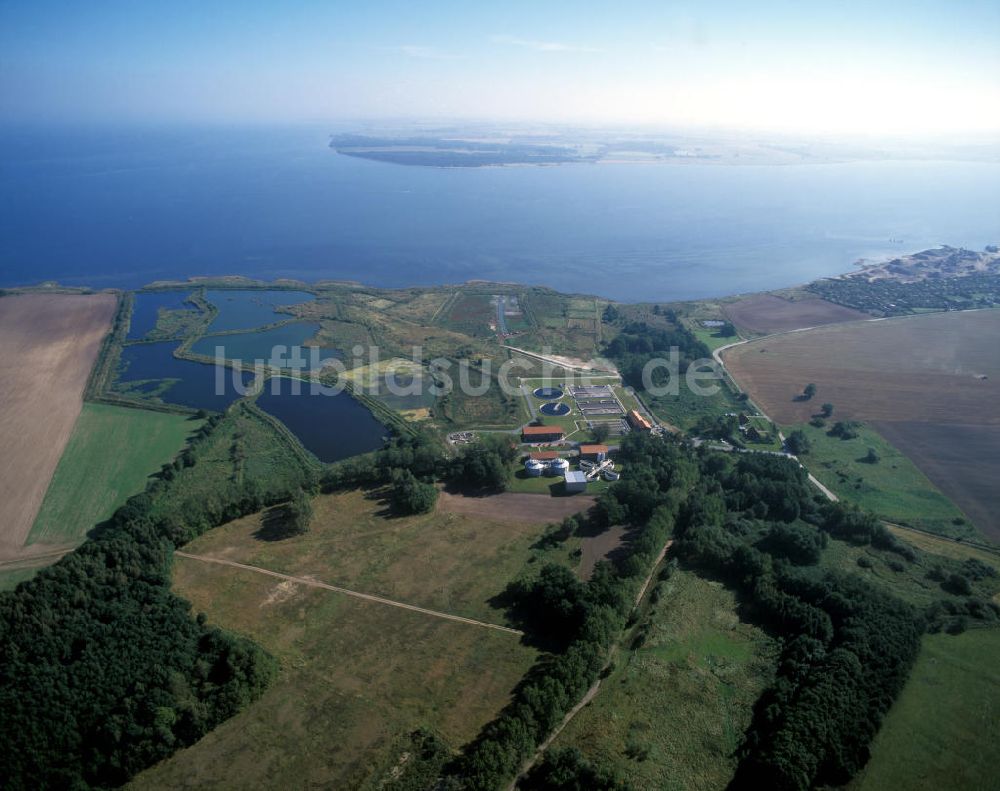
943 730
355 543
685 409
357 677
893 487
246 445
674 709
109 457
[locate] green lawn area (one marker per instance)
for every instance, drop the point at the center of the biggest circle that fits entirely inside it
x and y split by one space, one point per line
943 730
893 488
675 707
711 338
110 456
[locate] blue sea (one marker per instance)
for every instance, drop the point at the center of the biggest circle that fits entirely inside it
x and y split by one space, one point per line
126 206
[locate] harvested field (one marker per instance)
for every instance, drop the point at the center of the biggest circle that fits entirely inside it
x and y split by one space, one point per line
962 461
929 384
926 368
515 507
48 344
765 313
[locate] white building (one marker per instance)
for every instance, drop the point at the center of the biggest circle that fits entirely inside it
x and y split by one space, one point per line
576 481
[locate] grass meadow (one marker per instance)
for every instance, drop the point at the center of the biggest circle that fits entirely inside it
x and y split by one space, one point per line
674 709
356 676
893 487
943 729
110 456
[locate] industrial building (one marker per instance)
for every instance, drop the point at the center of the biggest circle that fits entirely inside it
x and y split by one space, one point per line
541 434
544 455
638 422
594 452
576 481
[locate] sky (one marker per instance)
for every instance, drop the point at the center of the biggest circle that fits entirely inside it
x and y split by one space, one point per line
837 68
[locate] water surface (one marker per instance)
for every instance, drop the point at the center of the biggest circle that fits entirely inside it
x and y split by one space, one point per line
244 310
146 310
175 381
134 205
332 427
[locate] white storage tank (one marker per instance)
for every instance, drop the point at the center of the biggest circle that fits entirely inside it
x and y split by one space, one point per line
558 467
534 468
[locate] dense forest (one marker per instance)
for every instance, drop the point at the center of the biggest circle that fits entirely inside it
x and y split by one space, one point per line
103 670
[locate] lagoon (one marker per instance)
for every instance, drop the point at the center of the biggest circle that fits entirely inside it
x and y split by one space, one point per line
146 310
266 344
244 310
154 371
332 427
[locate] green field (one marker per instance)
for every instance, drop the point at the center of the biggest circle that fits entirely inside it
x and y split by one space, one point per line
893 488
110 456
944 728
675 707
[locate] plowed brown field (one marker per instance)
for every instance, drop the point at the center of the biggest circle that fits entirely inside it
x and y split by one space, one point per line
48 343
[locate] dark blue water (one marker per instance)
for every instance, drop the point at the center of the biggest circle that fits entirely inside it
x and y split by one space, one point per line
333 427
147 307
274 346
196 385
244 310
125 207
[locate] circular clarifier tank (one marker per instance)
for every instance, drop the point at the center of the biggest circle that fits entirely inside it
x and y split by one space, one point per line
549 393
554 410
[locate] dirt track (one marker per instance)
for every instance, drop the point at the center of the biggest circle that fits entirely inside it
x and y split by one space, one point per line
348 592
516 507
48 343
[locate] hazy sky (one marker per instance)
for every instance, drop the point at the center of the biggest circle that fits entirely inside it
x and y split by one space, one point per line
872 67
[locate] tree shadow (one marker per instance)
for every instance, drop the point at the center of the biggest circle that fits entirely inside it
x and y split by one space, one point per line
275 525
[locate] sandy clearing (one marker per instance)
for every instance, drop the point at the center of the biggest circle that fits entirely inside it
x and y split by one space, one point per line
516 506
597 548
48 344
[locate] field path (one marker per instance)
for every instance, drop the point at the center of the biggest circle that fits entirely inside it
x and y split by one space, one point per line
348 592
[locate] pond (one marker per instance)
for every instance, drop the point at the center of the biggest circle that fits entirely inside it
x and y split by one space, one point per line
252 346
332 427
244 310
151 371
147 306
